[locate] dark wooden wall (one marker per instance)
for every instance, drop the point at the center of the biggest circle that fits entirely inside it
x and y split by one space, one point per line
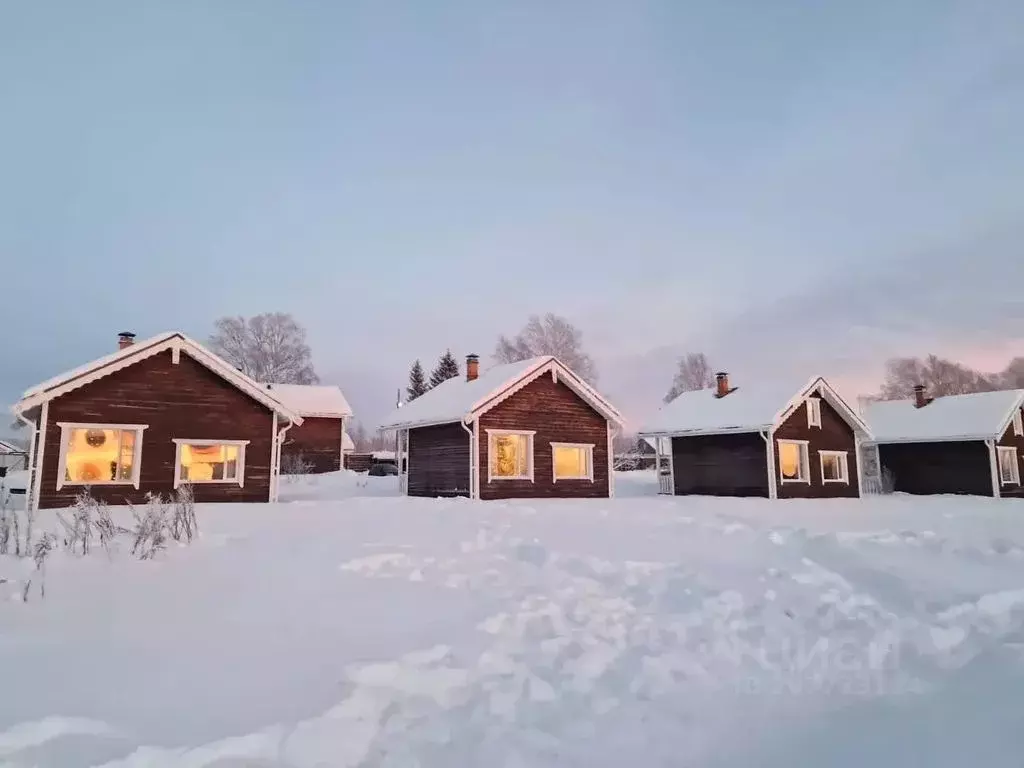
949 467
439 461
833 435
317 441
720 465
1017 442
559 415
185 400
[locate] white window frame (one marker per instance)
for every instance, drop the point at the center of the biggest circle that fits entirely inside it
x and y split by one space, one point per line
814 412
1000 450
805 461
844 464
588 449
66 426
1018 424
180 441
495 433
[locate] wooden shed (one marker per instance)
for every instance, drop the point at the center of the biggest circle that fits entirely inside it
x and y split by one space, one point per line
529 429
774 442
149 417
964 444
318 444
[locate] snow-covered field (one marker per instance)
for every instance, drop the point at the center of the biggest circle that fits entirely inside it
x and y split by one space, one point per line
348 627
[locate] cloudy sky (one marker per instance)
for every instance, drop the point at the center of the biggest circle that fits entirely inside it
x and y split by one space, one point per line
793 187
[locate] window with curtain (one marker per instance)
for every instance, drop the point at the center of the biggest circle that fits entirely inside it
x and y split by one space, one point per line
793 463
208 461
511 455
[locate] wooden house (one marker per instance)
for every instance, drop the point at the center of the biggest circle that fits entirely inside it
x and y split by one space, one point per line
149 417
970 444
774 442
529 429
318 444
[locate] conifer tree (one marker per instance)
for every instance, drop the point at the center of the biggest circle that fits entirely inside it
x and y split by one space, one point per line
447 368
417 381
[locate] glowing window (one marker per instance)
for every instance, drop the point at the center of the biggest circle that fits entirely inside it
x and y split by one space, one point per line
793 461
210 461
572 461
510 455
99 454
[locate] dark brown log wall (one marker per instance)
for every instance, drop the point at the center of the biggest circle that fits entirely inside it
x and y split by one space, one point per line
949 467
559 415
316 442
833 435
439 461
1016 441
720 465
185 400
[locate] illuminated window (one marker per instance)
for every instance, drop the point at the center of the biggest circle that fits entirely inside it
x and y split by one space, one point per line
210 461
813 412
572 461
1009 470
793 461
510 455
834 468
99 454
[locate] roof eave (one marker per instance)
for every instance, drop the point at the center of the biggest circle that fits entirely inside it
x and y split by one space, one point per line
703 432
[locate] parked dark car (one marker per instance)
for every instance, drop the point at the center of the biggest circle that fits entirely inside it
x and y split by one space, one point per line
382 469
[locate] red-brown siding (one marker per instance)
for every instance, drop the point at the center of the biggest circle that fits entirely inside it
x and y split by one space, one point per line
439 461
185 400
316 442
557 414
1014 441
833 435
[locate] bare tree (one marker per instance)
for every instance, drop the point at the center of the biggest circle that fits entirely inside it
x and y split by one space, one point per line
939 376
359 438
548 335
693 372
270 347
1012 376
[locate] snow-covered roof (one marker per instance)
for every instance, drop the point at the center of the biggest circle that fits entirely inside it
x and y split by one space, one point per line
314 400
977 416
133 353
745 409
455 399
347 444
6 447
383 455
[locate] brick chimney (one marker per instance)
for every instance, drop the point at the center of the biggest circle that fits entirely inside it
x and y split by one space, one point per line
920 401
472 367
722 384
125 339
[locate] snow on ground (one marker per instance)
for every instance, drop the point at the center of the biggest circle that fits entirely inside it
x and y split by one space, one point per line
350 627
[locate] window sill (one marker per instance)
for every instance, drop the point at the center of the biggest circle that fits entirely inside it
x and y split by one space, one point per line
572 479
798 482
97 482
835 482
184 481
498 478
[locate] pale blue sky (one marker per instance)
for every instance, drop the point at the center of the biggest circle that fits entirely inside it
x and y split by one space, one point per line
787 185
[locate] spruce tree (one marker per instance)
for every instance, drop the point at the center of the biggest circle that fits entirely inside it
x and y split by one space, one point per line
417 381
447 368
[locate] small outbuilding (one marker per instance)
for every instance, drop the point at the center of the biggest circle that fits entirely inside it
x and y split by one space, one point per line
146 419
774 442
967 444
529 429
318 444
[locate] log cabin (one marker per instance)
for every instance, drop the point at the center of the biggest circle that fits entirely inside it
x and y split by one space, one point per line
318 444
530 429
961 444
773 442
148 418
